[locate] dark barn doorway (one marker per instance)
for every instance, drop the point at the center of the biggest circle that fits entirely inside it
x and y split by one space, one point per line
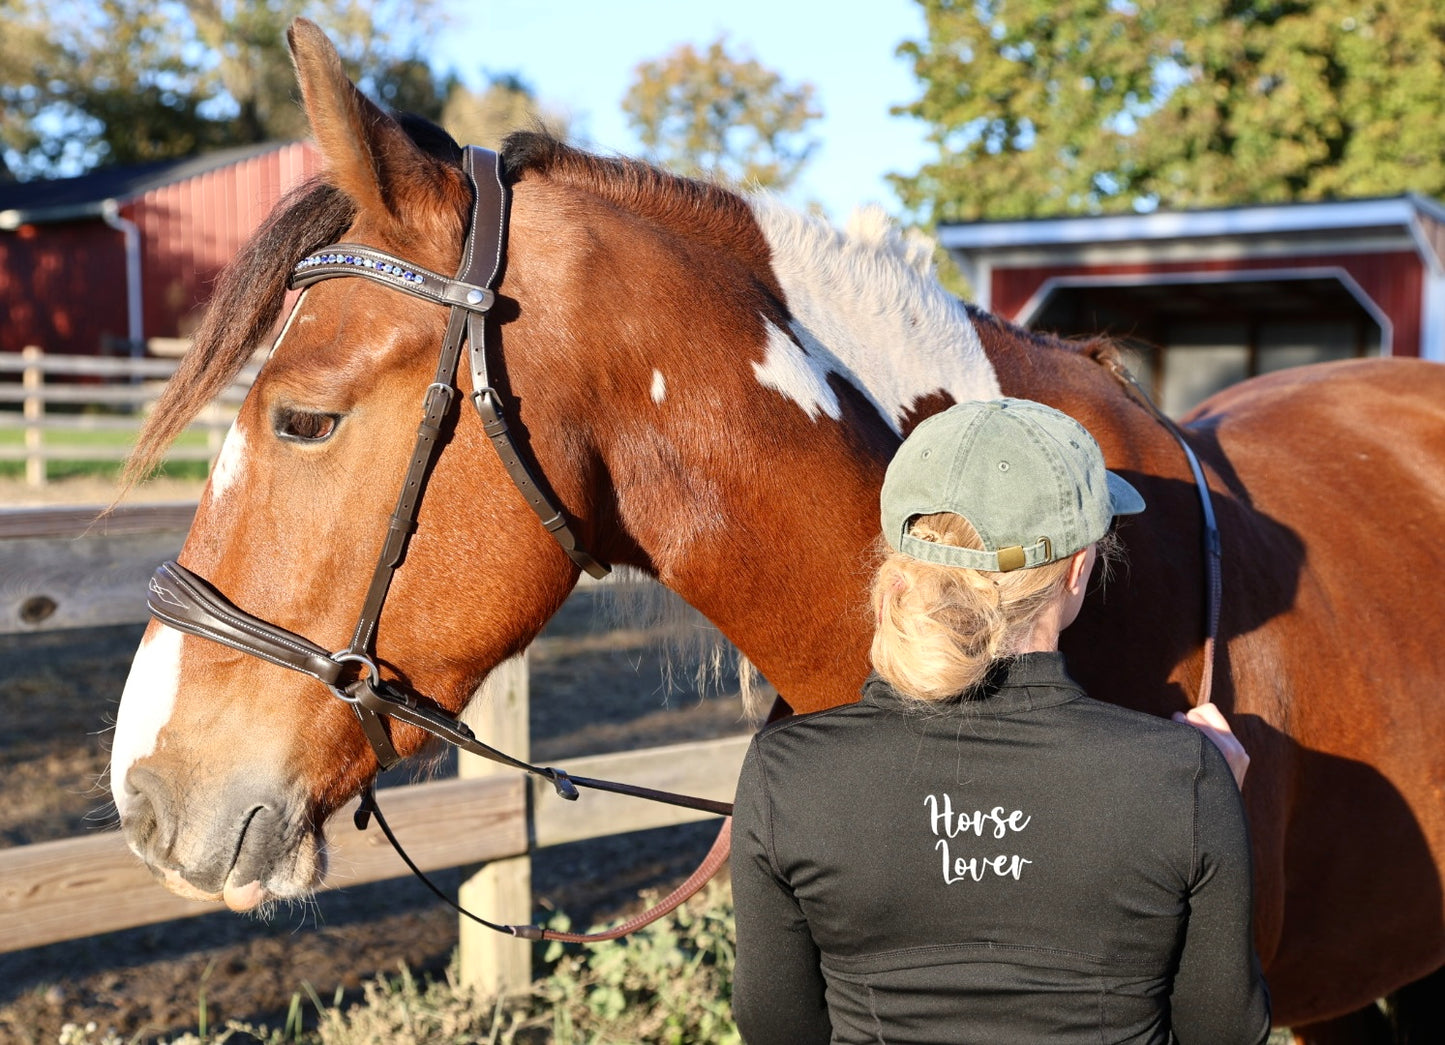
1188 335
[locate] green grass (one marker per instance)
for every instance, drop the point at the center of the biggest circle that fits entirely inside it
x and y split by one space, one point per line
114 441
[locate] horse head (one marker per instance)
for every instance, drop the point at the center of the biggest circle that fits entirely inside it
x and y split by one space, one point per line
225 766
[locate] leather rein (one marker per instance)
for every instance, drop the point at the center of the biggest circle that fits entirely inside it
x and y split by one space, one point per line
183 600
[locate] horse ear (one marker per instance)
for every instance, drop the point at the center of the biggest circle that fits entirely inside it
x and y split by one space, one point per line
368 155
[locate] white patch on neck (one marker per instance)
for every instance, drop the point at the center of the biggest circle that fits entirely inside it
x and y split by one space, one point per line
230 463
788 370
659 387
145 704
867 308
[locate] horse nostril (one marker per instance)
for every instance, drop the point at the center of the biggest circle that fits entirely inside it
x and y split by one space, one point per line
146 808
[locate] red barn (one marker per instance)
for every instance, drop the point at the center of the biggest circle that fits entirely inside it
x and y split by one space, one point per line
1205 298
107 261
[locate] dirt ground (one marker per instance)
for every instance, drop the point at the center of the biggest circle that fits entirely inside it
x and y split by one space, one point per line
15 493
595 687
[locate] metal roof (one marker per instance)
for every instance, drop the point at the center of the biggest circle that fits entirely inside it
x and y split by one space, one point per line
86 196
1249 220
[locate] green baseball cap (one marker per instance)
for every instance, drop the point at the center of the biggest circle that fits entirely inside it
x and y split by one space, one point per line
1030 479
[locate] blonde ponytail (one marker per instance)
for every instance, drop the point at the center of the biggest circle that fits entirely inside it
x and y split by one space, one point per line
939 629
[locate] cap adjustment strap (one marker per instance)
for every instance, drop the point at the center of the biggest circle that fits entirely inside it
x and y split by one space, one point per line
1014 557
1010 558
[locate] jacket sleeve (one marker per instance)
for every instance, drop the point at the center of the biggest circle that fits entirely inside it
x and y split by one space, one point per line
1219 995
777 982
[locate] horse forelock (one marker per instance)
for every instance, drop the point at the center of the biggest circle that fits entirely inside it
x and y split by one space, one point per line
867 309
243 310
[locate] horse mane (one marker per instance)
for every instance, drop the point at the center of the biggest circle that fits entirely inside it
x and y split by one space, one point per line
632 184
710 212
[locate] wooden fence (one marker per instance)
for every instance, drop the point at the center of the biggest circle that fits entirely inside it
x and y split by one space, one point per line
112 396
61 568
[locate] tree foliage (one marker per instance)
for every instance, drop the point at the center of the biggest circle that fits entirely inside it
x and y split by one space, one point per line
506 104
722 115
1043 107
89 82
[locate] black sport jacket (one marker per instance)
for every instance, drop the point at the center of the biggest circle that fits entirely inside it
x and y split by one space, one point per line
1029 866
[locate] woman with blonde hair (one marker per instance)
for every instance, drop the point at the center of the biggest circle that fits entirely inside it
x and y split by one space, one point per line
976 851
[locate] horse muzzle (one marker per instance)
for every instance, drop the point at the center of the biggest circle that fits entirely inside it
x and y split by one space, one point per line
243 846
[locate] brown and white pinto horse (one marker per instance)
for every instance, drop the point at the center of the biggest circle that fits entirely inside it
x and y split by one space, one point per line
712 386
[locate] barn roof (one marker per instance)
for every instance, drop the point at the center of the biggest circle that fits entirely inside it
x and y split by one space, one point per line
86 196
1253 222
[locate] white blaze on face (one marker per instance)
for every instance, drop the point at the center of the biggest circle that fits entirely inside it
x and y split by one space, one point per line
867 309
145 705
659 387
230 463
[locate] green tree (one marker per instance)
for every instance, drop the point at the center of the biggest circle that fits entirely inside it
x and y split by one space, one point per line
506 104
24 53
722 115
89 82
1040 107
66 67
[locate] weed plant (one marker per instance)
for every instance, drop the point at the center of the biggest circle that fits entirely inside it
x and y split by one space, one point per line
669 983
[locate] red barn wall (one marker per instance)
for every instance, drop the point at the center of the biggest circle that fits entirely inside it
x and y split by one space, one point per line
1394 280
63 285
190 229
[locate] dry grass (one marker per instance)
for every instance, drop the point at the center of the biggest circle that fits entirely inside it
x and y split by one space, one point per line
668 984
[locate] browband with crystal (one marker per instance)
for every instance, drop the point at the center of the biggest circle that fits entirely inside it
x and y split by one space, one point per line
353 259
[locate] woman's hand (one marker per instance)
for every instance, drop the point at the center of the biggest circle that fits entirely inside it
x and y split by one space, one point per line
1210 721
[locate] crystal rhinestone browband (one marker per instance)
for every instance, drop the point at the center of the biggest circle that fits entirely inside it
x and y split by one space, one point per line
360 262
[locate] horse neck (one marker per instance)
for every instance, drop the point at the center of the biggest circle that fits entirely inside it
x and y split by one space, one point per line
1155 602
746 406
737 468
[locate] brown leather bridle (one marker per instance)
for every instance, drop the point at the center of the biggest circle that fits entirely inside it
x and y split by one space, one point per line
183 600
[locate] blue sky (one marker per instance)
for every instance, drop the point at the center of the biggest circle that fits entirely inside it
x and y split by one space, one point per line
578 55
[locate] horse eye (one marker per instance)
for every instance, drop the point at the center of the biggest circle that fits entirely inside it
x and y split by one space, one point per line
304 426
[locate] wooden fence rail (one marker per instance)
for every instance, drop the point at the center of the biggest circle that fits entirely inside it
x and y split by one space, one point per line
115 399
64 568
84 886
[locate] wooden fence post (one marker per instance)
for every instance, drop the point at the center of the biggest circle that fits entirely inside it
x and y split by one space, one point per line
501 891
32 379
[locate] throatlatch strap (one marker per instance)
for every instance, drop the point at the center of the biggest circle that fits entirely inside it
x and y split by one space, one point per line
490 197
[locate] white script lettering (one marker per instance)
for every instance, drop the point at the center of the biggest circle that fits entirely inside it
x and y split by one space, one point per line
975 867
946 822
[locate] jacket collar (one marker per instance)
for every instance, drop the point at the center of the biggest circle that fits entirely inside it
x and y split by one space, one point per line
1022 683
